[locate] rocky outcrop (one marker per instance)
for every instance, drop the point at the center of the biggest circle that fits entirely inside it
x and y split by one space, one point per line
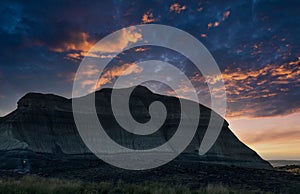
43 124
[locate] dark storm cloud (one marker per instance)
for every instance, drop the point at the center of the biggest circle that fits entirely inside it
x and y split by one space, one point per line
42 44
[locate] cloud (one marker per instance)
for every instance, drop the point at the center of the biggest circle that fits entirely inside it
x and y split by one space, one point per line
295 62
77 41
87 76
225 15
126 37
76 56
219 20
183 89
176 7
213 24
209 25
249 81
78 45
113 73
89 71
148 18
80 54
203 35
259 92
141 49
216 24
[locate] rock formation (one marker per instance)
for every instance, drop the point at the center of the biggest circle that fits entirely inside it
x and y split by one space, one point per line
43 126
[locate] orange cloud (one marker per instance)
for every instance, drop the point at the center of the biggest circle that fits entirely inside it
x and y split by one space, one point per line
86 77
225 15
79 41
283 72
148 18
140 49
176 7
213 24
209 25
76 55
203 35
81 54
90 73
242 86
216 24
125 38
111 74
80 45
238 80
183 89
295 62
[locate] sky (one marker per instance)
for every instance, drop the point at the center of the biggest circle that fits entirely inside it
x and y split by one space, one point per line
255 43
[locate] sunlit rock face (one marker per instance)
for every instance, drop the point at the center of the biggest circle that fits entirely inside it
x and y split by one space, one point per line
43 126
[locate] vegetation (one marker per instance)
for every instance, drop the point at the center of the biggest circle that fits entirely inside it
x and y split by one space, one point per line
39 185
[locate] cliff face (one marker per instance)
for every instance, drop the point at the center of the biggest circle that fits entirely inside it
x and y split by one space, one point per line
44 124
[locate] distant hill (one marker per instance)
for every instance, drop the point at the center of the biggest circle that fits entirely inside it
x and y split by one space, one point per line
276 163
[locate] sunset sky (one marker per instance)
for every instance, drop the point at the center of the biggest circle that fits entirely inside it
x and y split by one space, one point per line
255 43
